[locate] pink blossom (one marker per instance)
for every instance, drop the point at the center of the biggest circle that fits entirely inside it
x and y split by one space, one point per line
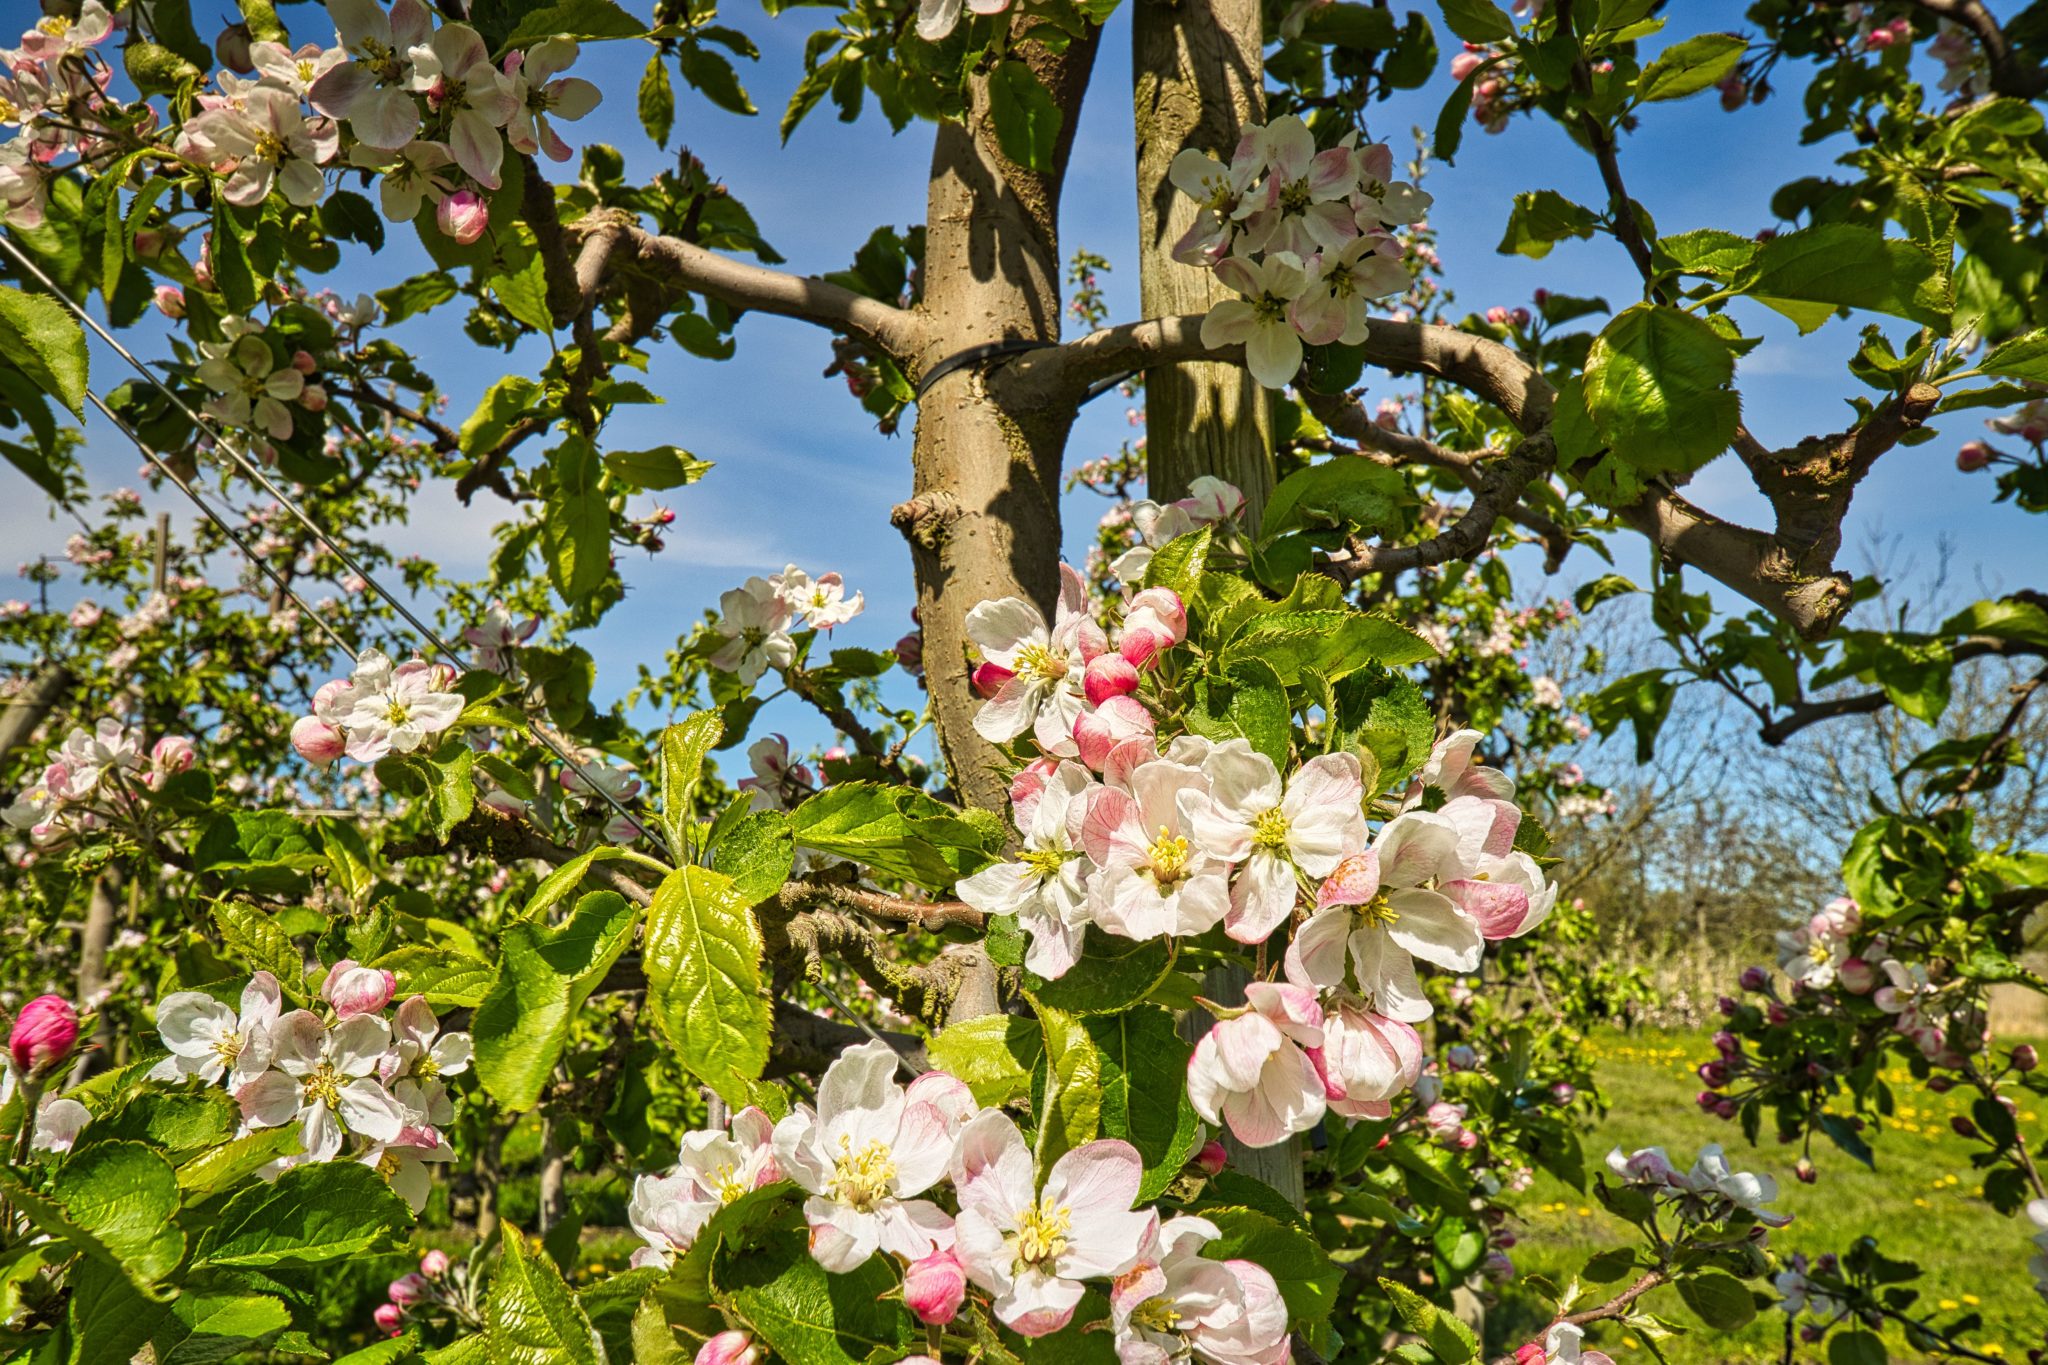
172 754
1973 456
1365 1059
1156 619
169 300
540 95
390 1318
434 1264
728 1348
1212 1158
1270 835
1030 1246
1043 888
1177 1304
316 741
1250 1072
1045 665
407 1288
1156 879
43 1035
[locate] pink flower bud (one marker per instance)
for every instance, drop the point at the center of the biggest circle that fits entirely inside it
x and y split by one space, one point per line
1541 296
389 1317
317 742
313 398
2025 1058
1727 1006
1520 317
728 1348
1715 1074
463 215
988 679
172 754
935 1287
408 1289
1754 979
434 1264
303 362
1108 725
910 652
1464 64
1707 1100
1212 1158
1108 675
1940 1085
1734 92
1962 1126
1973 456
1156 619
1804 1170
44 1033
169 300
1778 1014
1497 315
354 990
232 47
202 269
1856 976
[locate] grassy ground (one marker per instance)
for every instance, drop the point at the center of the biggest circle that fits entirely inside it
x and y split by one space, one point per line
1920 1203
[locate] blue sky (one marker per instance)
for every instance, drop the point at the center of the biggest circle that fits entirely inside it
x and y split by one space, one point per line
802 476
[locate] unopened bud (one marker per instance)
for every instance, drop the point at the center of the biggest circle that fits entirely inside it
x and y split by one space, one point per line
1754 979
1803 1169
169 300
1212 1158
1973 456
2025 1058
1109 675
1857 976
1962 1126
43 1035
316 741
354 990
434 1264
728 1348
389 1318
232 47
935 1287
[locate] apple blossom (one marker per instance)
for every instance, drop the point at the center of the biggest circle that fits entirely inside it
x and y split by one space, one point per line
1377 907
864 1154
1218 190
369 89
1259 321
540 92
403 1161
498 633
1563 1345
1155 619
251 388
1178 1305
1505 896
1043 888
1156 878
1301 206
325 1080
1365 1058
1250 1073
1108 675
712 1170
213 1042
59 1121
454 71
1712 1175
43 1035
754 620
55 36
316 741
820 603
169 300
1042 665
1247 819
1116 722
1030 1245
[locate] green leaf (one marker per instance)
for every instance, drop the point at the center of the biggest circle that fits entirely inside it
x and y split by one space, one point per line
659 468
218 1168
1360 28
1112 973
1718 1299
1178 563
1338 492
683 747
533 1318
1540 220
576 529
713 77
575 19
1449 1338
1026 119
255 937
702 951
657 101
346 215
1332 643
1070 1113
757 852
206 1327
544 976
1450 120
1807 274
310 1215
419 294
806 1315
117 1202
2021 357
173 1122
1144 1091
1857 1348
45 343
1477 21
524 293
993 1055
1688 67
1307 1278
1656 389
895 830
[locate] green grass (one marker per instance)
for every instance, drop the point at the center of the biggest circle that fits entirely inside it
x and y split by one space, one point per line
1920 1203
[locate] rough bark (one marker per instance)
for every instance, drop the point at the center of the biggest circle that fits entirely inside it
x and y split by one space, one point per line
983 519
1198 74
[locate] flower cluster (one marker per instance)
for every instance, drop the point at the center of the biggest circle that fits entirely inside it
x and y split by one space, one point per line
355 1084
1145 842
1711 1192
952 1191
757 617
93 777
1305 236
440 1288
382 708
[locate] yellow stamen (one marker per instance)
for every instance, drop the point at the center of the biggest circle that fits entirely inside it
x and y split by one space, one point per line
1042 1233
861 1179
1168 857
1269 831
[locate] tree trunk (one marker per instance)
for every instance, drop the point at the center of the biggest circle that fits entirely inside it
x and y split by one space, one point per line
983 521
1197 76
1280 1165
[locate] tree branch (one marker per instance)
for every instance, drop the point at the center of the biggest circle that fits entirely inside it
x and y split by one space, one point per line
1498 492
891 330
2009 75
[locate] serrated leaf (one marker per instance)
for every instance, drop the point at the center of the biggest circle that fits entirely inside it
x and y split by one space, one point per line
543 978
1718 1299
1686 68
702 952
1144 1091
993 1056
1027 122
683 747
314 1214
533 1318
45 343
116 1202
1656 389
